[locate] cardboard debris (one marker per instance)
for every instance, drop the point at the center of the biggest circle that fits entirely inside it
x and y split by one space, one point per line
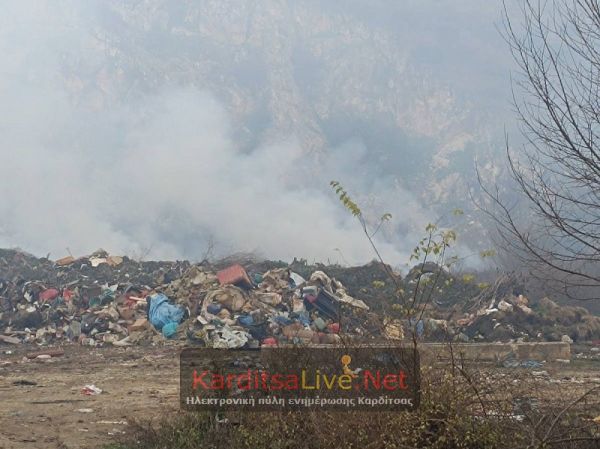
101 299
10 340
139 325
68 260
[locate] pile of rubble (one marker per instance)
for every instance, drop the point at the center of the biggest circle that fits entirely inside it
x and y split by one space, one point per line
501 313
512 318
104 299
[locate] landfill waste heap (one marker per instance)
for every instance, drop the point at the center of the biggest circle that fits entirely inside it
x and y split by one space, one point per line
103 299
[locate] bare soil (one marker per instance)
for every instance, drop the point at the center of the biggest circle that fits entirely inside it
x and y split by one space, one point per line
137 383
42 404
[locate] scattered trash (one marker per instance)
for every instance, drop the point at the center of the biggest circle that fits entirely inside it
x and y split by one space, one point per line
139 325
49 353
226 338
10 340
229 297
48 295
90 390
169 329
24 382
68 260
393 329
513 363
270 341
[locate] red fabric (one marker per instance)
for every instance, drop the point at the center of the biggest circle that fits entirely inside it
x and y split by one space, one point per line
49 294
270 341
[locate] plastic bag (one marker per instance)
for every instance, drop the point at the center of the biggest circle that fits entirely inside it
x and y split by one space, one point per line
162 312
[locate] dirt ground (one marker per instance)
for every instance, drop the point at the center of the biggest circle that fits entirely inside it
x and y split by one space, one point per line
137 383
42 405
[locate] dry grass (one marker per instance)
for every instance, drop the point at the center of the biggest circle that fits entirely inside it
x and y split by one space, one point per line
461 408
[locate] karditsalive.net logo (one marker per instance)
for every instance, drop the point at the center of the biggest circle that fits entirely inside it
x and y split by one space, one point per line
306 379
374 378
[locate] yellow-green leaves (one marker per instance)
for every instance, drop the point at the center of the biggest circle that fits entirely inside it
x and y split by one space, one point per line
487 253
346 200
468 278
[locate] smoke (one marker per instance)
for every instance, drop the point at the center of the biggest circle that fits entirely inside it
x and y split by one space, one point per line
161 174
166 178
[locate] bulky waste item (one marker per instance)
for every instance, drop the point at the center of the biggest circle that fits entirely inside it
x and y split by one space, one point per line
235 275
229 297
162 313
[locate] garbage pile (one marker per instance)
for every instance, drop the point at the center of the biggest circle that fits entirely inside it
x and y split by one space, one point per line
283 307
103 299
463 308
514 318
500 312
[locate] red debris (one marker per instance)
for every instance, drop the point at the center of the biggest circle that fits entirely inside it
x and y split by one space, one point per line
235 274
311 298
68 294
49 295
269 341
334 328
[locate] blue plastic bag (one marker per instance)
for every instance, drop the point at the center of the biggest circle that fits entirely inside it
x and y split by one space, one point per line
169 329
245 320
162 312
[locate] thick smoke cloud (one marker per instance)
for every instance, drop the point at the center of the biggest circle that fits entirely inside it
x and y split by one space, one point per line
165 179
162 175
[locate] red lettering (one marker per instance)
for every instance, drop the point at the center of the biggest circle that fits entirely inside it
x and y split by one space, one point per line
244 377
218 383
402 380
199 380
276 382
368 377
292 382
389 381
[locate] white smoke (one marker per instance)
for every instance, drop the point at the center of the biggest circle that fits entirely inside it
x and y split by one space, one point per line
167 178
163 175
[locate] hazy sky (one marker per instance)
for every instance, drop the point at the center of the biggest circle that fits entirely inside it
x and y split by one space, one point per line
90 159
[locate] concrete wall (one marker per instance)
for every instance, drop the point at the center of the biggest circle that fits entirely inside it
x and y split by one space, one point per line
548 351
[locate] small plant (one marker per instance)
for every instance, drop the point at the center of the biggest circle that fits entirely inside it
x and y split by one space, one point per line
431 249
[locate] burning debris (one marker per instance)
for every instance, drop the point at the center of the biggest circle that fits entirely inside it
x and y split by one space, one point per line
103 299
